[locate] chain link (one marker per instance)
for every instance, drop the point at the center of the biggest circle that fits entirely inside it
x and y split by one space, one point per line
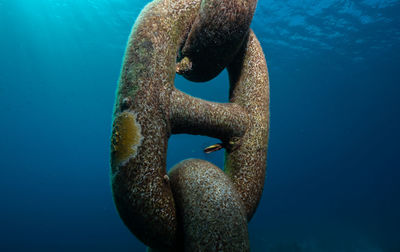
197 206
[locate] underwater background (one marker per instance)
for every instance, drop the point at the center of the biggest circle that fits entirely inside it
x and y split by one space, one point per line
333 173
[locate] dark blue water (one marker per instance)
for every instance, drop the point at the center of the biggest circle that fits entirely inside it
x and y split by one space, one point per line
333 162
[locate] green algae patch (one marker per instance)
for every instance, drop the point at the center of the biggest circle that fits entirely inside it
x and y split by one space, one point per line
126 137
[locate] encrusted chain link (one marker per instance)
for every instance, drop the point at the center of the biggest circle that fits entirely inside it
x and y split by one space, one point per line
196 206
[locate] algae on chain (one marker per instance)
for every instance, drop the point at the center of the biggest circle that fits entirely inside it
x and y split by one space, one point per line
126 138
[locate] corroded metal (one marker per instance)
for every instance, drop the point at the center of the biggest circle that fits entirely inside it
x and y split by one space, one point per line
215 37
211 212
249 88
149 109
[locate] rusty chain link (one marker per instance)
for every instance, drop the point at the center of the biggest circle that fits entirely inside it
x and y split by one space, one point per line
197 206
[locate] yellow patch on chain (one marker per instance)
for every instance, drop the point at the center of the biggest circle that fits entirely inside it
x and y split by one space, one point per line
126 137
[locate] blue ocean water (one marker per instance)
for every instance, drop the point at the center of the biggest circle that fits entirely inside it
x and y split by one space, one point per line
333 161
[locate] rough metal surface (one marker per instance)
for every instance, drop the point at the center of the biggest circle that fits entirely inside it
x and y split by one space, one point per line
199 117
216 35
210 210
249 88
149 109
143 198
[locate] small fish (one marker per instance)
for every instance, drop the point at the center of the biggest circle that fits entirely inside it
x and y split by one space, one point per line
233 143
214 147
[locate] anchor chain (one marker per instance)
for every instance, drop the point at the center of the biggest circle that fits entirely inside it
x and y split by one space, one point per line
197 206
